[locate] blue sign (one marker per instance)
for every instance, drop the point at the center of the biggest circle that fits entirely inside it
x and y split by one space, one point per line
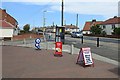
38 40
37 43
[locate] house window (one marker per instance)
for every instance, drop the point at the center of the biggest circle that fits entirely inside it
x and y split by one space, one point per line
113 26
66 28
104 26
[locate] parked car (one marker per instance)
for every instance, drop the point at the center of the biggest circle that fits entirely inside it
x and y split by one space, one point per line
76 34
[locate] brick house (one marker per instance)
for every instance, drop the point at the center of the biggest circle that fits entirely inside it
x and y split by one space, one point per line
89 24
109 25
6 29
68 28
50 29
71 28
4 16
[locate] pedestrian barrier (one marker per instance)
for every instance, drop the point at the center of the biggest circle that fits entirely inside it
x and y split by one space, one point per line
2 42
82 39
24 41
98 42
72 49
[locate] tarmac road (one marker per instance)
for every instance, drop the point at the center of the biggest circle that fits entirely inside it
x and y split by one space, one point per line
110 40
106 49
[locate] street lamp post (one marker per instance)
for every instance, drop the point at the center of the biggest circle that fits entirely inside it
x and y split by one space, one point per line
44 21
76 22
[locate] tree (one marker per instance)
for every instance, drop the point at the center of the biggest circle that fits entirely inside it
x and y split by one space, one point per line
96 29
116 31
26 28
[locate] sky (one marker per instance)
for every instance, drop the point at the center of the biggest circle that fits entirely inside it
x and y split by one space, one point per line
32 11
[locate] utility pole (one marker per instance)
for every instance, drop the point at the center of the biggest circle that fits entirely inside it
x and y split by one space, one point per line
62 16
76 22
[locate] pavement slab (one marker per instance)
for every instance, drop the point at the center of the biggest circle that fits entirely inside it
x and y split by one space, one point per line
21 62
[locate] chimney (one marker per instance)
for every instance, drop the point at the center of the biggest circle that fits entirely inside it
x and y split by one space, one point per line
94 20
115 16
4 10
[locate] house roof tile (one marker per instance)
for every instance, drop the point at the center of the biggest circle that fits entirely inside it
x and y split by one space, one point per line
89 24
115 20
5 24
71 26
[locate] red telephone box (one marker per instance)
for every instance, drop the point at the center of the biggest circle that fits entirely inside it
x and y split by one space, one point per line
58 49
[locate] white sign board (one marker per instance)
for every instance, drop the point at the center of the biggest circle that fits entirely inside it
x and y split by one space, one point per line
85 56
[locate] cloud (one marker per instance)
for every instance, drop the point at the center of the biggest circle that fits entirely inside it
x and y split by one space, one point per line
106 9
60 0
50 11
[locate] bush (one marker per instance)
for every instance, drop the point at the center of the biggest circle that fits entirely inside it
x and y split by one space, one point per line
67 32
96 30
104 33
22 31
116 31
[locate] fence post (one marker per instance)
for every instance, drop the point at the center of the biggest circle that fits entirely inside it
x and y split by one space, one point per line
11 39
97 41
2 42
24 41
30 37
72 49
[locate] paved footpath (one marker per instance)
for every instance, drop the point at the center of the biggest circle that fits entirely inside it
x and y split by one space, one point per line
67 48
23 62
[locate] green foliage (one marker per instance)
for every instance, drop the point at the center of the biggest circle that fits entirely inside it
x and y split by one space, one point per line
22 31
67 32
116 31
96 29
104 33
26 28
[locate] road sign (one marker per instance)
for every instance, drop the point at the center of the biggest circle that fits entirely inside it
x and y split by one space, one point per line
37 43
38 40
58 49
85 57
